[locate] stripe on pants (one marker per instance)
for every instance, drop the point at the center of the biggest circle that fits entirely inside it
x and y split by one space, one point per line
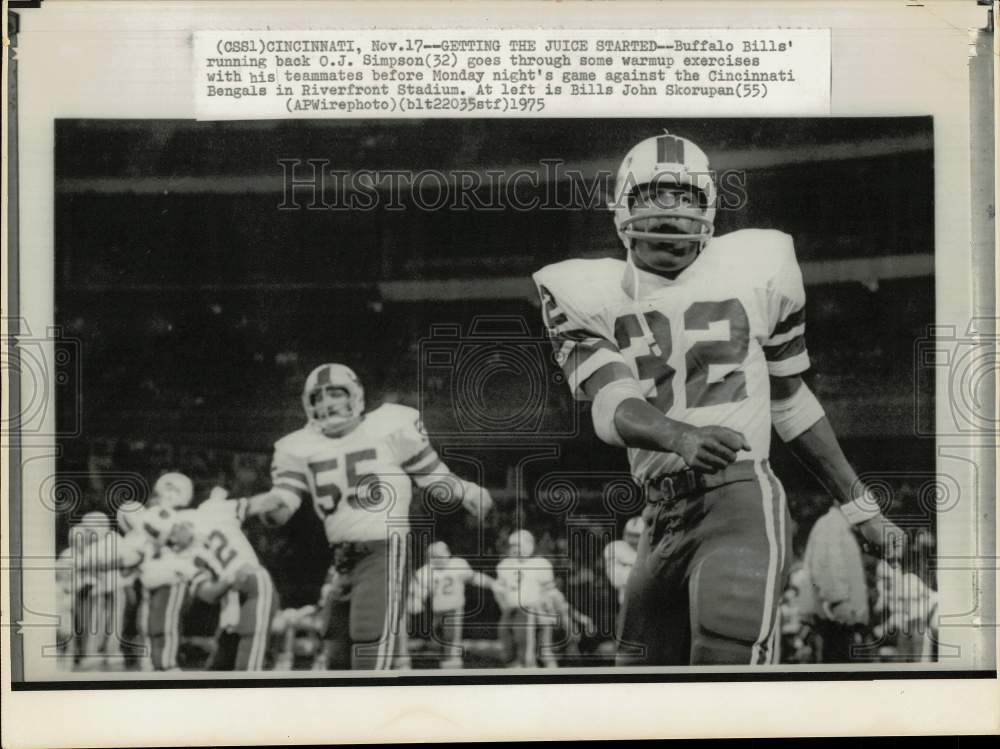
144 629
396 567
171 625
262 620
759 651
780 505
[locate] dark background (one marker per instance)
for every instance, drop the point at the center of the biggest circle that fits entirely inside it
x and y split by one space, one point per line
198 306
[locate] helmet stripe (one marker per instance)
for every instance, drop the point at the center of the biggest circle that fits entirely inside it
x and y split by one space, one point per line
323 378
669 150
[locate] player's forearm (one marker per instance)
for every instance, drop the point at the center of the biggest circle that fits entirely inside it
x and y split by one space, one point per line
483 581
274 507
266 502
819 451
641 425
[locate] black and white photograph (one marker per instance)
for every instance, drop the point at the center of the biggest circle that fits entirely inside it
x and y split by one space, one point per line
495 394
504 399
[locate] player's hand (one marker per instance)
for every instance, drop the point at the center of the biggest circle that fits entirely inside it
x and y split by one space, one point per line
710 449
884 537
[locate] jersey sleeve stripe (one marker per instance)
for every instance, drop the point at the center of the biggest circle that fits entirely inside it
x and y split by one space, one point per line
600 371
579 335
428 469
786 350
423 464
780 338
557 319
300 477
575 354
792 320
413 460
299 491
787 367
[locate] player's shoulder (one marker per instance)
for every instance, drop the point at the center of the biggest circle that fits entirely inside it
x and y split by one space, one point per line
300 439
216 509
582 283
755 250
391 417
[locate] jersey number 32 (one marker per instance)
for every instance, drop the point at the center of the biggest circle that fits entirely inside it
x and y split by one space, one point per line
700 316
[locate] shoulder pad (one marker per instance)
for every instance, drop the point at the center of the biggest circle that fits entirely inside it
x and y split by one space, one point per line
290 441
760 252
583 284
391 417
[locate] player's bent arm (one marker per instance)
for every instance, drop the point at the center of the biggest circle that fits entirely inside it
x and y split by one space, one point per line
275 507
482 580
800 421
624 418
441 482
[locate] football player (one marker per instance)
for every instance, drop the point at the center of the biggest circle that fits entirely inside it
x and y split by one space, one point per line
691 349
224 569
164 598
523 584
356 467
443 579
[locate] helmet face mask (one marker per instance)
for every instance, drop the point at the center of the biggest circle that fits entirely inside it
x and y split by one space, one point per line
665 203
333 399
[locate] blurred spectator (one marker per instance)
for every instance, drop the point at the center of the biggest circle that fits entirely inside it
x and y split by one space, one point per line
909 614
833 593
798 639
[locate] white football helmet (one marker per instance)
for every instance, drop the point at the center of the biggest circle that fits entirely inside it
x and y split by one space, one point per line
438 552
329 417
663 161
173 490
521 543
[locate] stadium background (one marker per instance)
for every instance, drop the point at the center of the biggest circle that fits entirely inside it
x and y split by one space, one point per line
198 305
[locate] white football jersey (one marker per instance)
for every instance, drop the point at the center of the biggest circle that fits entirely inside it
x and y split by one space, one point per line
360 484
525 581
446 583
701 345
221 549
